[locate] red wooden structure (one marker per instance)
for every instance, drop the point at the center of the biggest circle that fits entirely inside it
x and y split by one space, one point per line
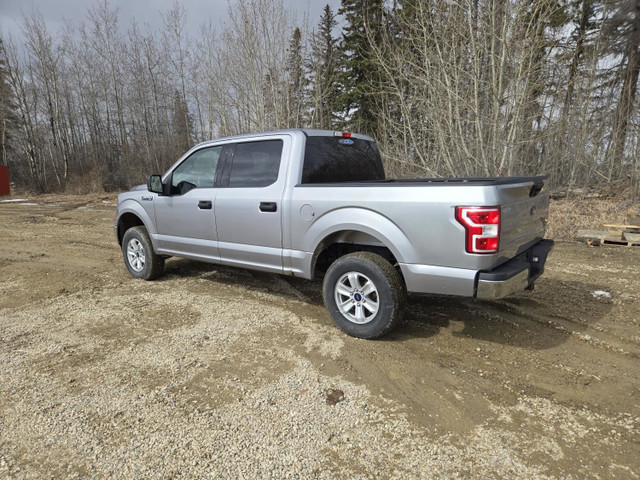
4 181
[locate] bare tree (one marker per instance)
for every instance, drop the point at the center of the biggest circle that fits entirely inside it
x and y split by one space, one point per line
27 105
9 121
47 72
475 87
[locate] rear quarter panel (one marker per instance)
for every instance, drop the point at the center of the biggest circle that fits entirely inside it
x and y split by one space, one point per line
416 222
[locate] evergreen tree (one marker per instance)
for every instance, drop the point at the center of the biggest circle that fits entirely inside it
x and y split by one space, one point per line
9 120
322 65
359 75
182 124
535 25
581 15
295 73
623 32
576 33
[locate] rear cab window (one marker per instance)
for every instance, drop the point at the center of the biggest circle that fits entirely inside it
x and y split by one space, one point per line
329 159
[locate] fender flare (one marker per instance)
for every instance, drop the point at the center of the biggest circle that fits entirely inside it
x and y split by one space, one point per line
133 207
362 220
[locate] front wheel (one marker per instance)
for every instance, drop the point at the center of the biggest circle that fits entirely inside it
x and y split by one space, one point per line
139 257
364 294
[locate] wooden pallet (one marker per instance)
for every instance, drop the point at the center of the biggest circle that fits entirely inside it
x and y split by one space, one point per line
620 241
610 237
632 228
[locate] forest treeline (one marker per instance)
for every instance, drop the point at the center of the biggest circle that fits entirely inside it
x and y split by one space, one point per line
449 88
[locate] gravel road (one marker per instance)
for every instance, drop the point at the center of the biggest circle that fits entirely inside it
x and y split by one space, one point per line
212 372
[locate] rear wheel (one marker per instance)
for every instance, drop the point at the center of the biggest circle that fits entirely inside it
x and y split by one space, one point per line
139 257
364 294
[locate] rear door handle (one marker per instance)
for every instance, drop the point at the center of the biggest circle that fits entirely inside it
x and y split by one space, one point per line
268 207
204 204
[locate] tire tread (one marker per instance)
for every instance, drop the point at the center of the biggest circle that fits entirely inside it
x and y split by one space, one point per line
155 262
394 281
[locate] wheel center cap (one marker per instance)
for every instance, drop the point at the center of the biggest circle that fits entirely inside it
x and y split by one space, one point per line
357 297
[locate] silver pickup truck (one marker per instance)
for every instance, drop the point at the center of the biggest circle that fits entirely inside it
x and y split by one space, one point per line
316 204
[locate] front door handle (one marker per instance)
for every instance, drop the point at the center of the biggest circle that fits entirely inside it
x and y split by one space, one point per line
204 204
268 207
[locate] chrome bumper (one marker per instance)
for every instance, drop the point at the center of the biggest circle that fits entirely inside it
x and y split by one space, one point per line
492 290
515 275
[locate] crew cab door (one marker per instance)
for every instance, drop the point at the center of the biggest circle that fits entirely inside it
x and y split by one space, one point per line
185 220
248 205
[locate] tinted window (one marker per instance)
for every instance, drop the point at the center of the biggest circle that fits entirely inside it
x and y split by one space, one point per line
337 159
255 164
197 171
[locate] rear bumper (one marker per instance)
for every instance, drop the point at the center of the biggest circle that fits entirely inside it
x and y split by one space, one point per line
515 275
494 289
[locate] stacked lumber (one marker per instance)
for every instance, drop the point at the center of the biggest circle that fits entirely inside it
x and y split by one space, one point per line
628 235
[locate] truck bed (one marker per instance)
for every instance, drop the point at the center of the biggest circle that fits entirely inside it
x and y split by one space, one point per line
424 217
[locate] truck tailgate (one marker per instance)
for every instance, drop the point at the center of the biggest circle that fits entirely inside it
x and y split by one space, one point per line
524 213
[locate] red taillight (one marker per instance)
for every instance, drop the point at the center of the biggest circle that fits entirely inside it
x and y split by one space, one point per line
482 227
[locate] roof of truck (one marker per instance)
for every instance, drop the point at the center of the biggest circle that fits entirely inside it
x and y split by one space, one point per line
307 131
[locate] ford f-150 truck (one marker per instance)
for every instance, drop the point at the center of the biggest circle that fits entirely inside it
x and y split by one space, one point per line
316 204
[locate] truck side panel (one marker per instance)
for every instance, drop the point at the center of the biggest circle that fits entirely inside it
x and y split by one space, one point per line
417 224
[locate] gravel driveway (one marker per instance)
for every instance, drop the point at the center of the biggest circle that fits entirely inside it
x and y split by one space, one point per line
213 372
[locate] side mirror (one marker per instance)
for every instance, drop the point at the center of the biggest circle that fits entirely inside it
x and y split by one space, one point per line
154 184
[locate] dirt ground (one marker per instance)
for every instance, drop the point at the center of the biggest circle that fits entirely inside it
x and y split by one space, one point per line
214 372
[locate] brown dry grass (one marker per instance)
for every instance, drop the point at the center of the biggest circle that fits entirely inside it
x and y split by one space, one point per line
567 216
90 182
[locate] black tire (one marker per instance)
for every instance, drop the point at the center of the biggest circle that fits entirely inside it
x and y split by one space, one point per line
143 262
361 319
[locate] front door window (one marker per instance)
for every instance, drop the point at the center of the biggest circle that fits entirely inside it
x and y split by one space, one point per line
197 171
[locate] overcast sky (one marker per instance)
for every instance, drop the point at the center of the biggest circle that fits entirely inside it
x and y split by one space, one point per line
144 11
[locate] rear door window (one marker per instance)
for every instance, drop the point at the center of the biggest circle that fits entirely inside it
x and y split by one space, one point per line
255 164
